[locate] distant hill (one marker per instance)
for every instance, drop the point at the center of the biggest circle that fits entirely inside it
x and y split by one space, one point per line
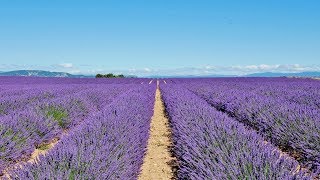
40 73
264 74
272 74
190 76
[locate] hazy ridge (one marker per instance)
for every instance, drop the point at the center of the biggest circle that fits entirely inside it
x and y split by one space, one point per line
41 73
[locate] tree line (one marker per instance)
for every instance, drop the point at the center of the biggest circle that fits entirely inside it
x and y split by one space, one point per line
109 75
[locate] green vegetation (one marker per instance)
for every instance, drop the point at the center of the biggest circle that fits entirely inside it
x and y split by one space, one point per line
43 147
109 75
8 133
12 136
2 111
59 114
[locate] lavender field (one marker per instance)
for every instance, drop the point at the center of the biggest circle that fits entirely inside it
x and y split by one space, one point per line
220 128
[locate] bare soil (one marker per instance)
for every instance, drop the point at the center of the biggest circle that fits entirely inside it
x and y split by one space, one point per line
34 156
158 159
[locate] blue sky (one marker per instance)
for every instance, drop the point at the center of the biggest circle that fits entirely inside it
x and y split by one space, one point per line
160 36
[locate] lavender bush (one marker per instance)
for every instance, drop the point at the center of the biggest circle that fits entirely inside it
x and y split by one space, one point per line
279 108
210 145
109 145
44 119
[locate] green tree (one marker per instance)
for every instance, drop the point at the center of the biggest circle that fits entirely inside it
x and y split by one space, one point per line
109 75
99 76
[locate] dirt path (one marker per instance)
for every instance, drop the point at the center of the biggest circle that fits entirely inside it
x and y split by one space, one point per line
157 160
34 156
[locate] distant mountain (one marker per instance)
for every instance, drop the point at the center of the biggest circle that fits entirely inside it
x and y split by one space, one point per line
264 74
272 74
40 73
190 76
130 76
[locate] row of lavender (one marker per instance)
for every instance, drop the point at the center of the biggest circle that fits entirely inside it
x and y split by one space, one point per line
24 97
18 92
210 145
286 111
107 145
22 129
51 80
34 122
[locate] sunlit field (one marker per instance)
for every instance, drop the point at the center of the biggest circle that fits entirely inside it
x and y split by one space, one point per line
218 128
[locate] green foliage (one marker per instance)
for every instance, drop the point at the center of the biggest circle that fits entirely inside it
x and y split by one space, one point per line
8 133
2 110
57 113
39 133
72 174
110 75
13 136
99 76
43 147
2 149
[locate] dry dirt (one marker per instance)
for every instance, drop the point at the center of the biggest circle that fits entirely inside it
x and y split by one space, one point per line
34 156
158 158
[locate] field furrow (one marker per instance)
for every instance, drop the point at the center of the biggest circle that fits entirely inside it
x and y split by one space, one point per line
158 158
